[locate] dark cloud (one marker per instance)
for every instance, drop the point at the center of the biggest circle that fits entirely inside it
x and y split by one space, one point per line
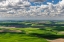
2 0
3 10
36 0
25 0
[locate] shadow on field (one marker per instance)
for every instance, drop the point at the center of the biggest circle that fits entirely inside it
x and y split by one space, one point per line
12 32
16 25
50 36
59 28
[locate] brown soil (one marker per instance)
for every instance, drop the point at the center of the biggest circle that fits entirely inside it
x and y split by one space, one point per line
57 40
7 30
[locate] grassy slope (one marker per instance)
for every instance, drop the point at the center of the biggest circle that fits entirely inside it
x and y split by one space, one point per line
15 37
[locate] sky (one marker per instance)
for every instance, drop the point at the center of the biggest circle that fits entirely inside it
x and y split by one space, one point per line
31 9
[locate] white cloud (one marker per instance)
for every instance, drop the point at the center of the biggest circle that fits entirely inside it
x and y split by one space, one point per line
23 8
26 3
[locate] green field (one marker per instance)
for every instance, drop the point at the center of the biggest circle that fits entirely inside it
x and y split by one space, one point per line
31 31
9 37
22 37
